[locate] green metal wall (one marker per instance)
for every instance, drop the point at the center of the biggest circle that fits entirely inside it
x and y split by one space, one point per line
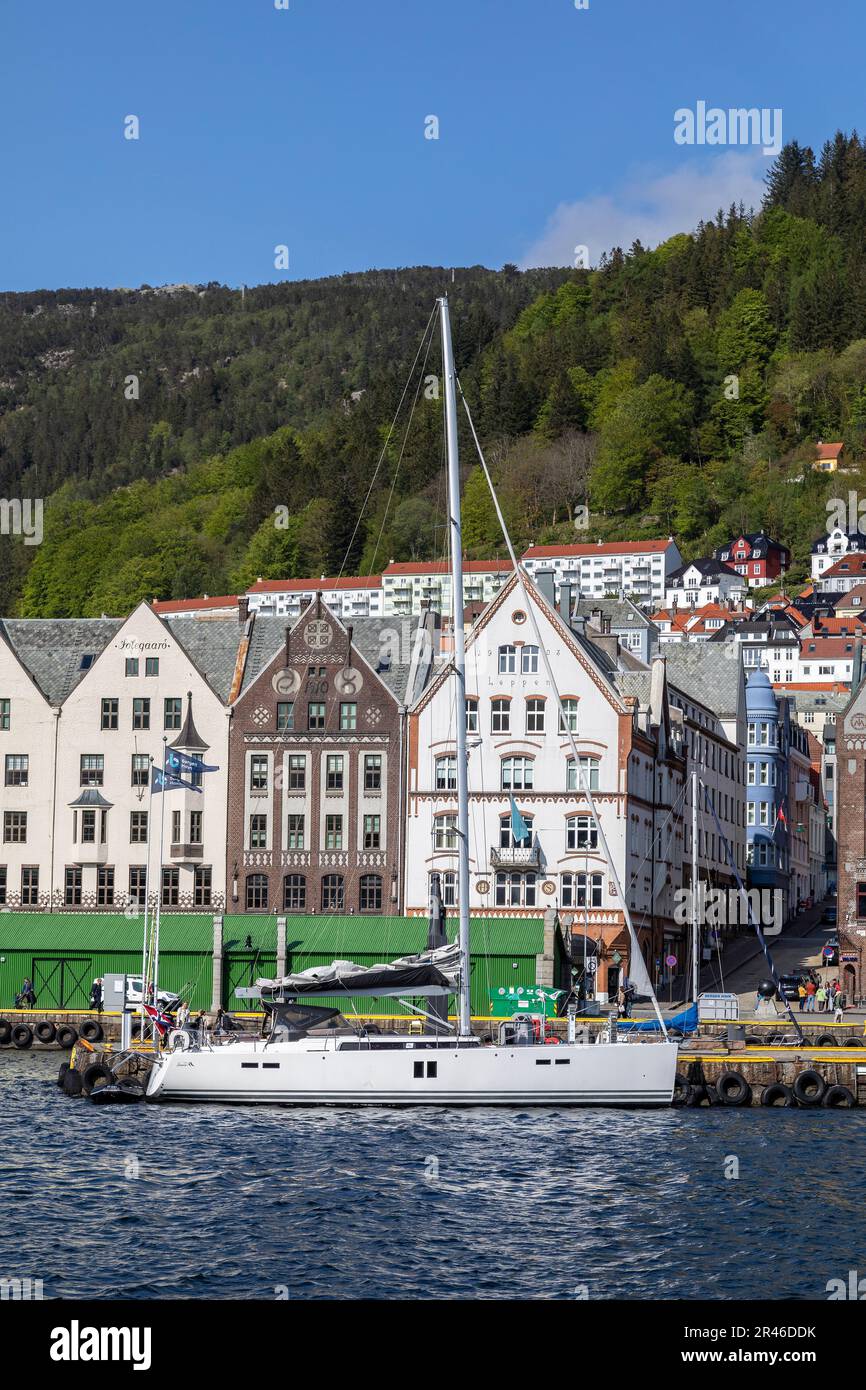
62 980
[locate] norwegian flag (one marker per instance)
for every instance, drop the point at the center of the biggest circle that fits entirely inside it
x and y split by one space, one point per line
161 1020
782 817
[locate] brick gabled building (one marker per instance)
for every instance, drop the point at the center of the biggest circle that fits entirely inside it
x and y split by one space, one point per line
850 749
317 762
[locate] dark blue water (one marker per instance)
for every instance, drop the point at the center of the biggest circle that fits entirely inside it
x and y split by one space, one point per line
237 1202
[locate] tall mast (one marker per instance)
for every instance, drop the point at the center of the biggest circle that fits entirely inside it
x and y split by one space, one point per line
456 539
695 913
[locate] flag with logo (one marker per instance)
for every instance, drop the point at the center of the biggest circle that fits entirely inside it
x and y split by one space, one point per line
166 782
177 763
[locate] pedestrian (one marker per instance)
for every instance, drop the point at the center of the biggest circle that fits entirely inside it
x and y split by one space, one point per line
26 999
821 998
831 996
620 1002
810 996
183 1015
96 995
801 995
839 1007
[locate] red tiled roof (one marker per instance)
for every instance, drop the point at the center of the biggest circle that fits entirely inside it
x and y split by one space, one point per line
600 548
848 565
826 647
834 687
313 586
828 451
189 605
443 567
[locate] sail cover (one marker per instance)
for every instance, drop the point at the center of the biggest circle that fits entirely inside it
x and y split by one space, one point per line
428 974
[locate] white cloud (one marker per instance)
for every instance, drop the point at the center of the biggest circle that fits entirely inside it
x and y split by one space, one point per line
650 208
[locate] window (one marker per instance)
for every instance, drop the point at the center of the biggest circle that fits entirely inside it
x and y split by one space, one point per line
506 833
294 893
575 888
2 883
171 712
861 899
202 885
131 668
295 832
105 886
92 769
515 890
471 715
500 716
195 827
333 832
88 827
258 772
507 659
141 713
581 833
137 882
372 832
316 716
30 886
750 813
175 828
109 714
348 715
448 888
151 665
516 774
568 718
285 714
170 887
529 660
333 897
72 888
334 772
751 775
140 769
15 827
535 716
446 774
445 831
257 893
588 774
17 769
297 772
258 832
372 772
370 897
138 827
5 714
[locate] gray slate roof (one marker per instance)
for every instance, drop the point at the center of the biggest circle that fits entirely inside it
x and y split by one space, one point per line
621 614
212 646
51 649
371 636
709 674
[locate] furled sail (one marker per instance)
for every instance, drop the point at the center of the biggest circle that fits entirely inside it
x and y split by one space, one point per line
427 974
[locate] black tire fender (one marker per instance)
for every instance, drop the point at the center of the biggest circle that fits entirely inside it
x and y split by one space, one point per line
809 1087
838 1098
72 1084
825 1040
45 1031
66 1035
93 1074
853 1042
5 1032
91 1030
681 1090
22 1036
733 1089
64 1068
777 1094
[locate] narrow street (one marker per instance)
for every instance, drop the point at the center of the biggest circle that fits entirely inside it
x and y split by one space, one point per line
743 967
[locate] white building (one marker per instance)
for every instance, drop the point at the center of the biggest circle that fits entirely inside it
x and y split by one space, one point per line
833 546
409 586
636 569
91 703
349 597
702 582
517 750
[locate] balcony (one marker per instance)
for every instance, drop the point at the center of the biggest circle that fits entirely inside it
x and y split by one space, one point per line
515 857
186 854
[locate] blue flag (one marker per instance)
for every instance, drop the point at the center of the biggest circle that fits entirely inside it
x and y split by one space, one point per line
164 782
176 763
519 828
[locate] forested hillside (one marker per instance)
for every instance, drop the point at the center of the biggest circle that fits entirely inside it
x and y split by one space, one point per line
675 390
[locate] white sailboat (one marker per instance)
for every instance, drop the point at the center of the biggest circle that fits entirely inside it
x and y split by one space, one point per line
311 1056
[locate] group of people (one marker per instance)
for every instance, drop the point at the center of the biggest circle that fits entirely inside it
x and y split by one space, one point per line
818 997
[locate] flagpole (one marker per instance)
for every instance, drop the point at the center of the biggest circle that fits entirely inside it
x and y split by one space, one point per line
146 897
159 893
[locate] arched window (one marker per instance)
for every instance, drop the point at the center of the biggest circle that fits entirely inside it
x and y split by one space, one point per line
500 716
507 659
294 893
446 773
589 771
445 831
529 660
370 899
507 838
581 833
333 895
257 893
568 718
516 774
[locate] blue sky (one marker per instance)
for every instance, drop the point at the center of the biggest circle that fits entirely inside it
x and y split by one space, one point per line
305 127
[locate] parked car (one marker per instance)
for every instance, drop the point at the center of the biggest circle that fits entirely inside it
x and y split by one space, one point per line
134 986
789 986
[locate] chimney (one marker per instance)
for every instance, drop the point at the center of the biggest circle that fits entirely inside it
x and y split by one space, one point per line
545 584
566 598
243 609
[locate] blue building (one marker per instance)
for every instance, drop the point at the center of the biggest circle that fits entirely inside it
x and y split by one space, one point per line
767 806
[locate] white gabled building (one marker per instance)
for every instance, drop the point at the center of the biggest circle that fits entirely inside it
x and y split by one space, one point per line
349 597
91 702
516 748
702 582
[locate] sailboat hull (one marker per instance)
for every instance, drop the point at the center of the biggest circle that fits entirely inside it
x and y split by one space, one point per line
417 1073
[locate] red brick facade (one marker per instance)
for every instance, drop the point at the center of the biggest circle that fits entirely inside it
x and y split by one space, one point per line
851 834
316 769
